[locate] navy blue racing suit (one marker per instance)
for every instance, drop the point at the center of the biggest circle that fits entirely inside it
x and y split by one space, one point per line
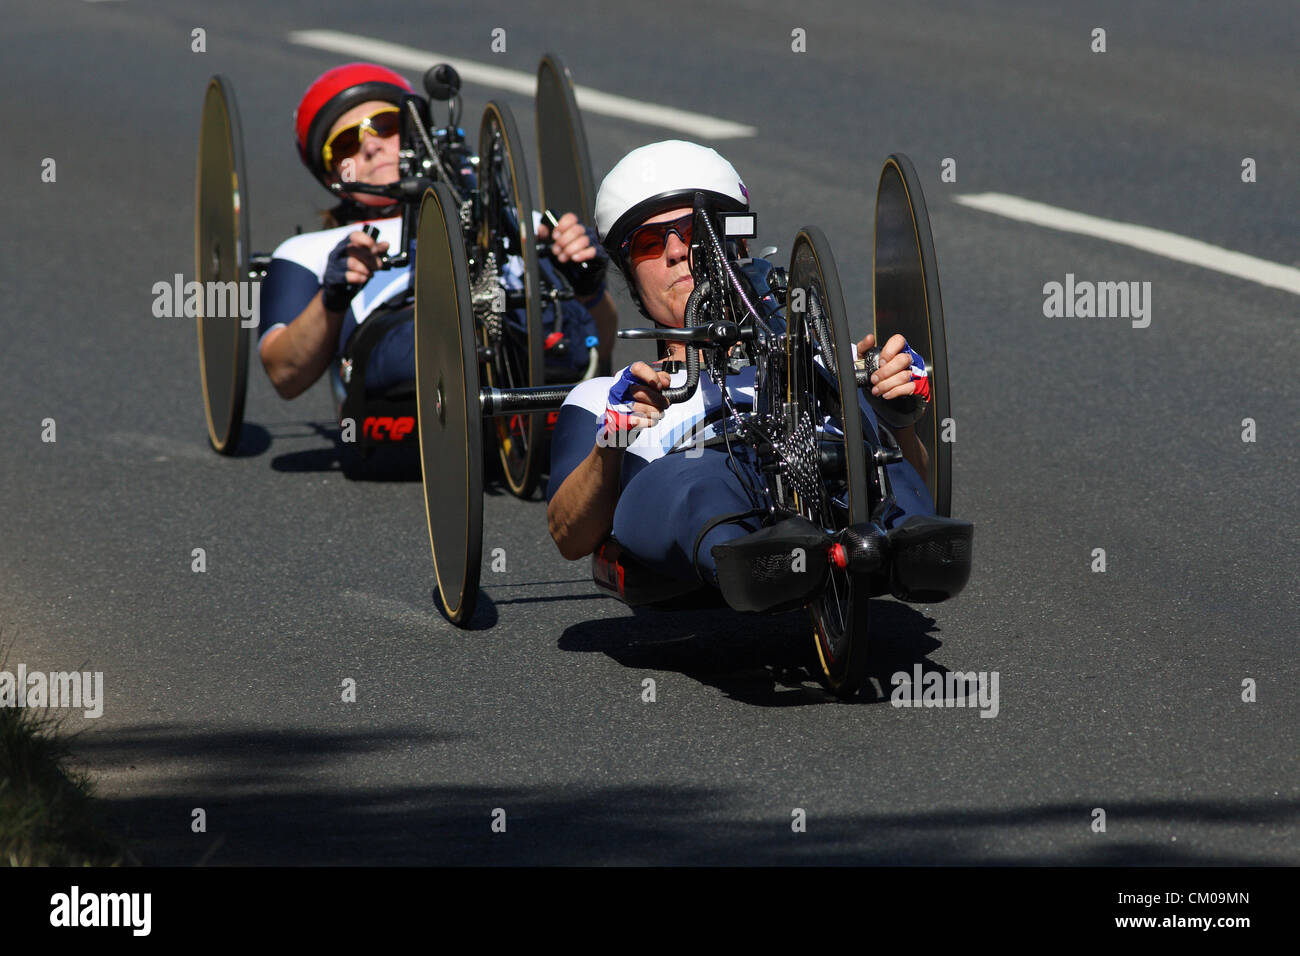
294 277
671 490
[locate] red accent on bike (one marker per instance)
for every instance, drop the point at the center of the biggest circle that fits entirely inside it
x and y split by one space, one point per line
839 557
386 428
553 339
607 569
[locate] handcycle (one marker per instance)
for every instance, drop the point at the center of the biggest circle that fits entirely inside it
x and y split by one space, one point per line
826 460
493 209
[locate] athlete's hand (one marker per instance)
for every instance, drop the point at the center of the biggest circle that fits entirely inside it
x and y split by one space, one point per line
902 371
573 243
350 265
635 401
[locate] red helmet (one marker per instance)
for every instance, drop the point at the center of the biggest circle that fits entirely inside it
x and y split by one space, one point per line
331 95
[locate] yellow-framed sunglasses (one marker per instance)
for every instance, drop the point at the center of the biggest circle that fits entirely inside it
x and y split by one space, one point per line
347 141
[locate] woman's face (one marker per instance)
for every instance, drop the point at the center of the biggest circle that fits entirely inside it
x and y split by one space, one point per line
375 162
665 282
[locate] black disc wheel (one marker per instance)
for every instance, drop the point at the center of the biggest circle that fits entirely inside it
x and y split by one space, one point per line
507 301
563 162
824 477
905 289
447 398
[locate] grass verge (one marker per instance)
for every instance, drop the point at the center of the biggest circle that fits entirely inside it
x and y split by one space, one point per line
47 811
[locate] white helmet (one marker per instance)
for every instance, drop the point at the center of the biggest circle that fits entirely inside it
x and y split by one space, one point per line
659 177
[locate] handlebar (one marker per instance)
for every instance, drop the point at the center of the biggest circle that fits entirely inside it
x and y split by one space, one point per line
410 188
712 335
866 367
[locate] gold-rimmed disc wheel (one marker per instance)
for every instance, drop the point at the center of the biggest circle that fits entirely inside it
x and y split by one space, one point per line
221 260
513 337
907 301
564 164
447 400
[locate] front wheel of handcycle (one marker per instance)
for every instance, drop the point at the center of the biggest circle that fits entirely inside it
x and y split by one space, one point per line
821 397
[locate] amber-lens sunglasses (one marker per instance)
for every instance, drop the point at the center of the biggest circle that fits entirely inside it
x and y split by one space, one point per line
347 141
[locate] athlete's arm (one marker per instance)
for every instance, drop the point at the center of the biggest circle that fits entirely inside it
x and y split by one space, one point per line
581 513
297 354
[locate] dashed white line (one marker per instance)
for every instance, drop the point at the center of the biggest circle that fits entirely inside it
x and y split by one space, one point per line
1157 241
516 81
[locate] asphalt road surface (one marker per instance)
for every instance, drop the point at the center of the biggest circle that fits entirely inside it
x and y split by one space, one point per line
1127 691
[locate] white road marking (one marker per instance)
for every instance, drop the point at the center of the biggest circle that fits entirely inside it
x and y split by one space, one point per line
516 81
1167 244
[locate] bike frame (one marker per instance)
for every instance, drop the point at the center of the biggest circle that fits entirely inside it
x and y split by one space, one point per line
717 325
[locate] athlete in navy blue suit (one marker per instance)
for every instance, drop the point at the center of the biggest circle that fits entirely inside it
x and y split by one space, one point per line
651 491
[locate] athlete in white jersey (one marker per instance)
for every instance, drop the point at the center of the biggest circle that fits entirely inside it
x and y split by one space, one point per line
662 506
320 286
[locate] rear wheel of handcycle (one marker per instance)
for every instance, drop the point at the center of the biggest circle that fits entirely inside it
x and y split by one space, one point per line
821 385
506 234
563 161
907 301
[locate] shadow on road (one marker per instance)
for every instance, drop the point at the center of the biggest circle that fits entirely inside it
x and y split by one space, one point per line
385 463
761 659
267 801
398 463
253 441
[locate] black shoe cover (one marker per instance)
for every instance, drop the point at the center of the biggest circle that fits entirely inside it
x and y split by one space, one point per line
777 568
